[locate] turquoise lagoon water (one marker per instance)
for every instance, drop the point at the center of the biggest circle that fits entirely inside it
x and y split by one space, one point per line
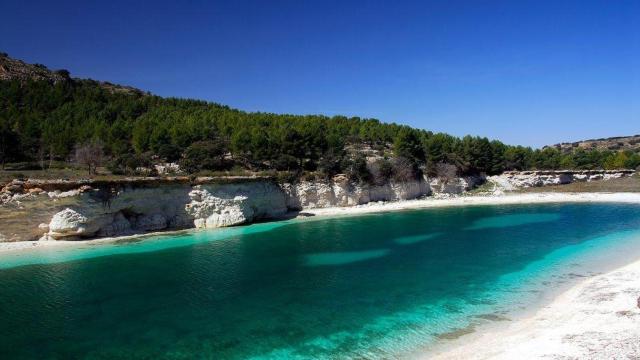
388 285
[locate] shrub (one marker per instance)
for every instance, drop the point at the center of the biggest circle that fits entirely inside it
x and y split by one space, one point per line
403 169
129 164
286 162
330 164
169 152
381 171
287 177
446 172
90 155
204 155
356 170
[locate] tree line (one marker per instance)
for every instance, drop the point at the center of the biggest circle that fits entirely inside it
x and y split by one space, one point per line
42 122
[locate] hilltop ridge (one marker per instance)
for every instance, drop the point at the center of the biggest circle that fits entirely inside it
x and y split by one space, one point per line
49 119
15 69
616 143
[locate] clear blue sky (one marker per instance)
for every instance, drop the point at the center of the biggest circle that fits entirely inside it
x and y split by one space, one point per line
525 72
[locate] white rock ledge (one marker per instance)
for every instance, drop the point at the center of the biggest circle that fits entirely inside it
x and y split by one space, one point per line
156 205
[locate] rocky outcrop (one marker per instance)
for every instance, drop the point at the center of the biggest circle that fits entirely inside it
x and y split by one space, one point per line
456 186
69 223
618 143
340 192
513 180
214 206
62 210
56 210
13 69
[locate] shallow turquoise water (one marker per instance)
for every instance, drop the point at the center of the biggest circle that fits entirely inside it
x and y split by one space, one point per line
375 286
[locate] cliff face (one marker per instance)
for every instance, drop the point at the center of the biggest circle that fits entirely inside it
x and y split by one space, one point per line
67 211
31 213
513 180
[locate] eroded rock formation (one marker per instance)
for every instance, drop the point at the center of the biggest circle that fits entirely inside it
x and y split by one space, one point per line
56 210
61 210
512 180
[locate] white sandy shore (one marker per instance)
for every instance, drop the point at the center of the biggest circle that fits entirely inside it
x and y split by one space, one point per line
509 199
597 319
8 247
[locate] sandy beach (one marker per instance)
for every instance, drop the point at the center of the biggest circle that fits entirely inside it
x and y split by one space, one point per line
507 199
598 318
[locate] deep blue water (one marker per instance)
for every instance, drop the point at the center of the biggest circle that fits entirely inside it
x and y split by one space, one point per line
374 286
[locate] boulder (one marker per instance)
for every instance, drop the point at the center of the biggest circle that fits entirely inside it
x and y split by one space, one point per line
70 224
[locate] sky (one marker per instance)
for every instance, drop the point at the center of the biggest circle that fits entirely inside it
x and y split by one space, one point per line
524 72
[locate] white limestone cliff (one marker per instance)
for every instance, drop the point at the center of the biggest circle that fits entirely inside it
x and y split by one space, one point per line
214 206
512 180
86 212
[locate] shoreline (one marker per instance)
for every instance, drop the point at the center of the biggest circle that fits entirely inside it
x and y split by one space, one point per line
598 317
10 247
369 208
478 200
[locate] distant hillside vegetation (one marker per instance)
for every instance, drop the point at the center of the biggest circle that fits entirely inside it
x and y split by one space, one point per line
47 117
618 143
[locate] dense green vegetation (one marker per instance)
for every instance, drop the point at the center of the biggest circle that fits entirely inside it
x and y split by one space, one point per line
41 122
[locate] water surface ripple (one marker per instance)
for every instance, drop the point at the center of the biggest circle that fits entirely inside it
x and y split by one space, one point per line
376 286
